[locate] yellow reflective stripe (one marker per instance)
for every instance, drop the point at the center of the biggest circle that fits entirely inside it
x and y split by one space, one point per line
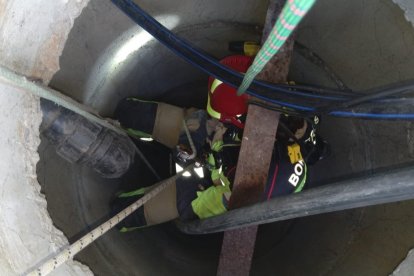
211 161
211 111
138 133
215 174
214 85
217 146
137 192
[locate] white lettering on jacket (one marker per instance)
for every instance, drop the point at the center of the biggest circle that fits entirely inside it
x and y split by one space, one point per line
298 171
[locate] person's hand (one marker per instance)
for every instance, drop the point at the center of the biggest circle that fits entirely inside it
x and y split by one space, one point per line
219 132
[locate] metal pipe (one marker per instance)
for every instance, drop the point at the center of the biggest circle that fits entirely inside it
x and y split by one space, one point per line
385 187
23 84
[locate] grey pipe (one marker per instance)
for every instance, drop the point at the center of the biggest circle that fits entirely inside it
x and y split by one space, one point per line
386 187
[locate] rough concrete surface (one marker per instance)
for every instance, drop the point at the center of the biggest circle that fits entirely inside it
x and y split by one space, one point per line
32 36
33 32
27 234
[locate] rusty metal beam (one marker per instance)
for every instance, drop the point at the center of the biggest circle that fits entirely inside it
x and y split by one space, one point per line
255 155
252 169
254 159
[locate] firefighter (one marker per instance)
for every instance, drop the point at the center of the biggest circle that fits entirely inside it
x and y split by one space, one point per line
196 197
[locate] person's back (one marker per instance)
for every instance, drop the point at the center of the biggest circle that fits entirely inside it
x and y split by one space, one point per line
221 130
199 198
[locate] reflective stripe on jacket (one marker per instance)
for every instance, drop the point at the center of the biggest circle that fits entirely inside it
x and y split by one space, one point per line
284 178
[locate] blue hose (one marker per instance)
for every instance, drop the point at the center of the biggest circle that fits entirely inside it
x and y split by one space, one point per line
259 89
203 60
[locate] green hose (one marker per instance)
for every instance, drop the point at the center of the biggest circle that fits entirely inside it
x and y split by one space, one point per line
292 13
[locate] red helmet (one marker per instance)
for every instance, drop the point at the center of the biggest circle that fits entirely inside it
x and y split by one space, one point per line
223 102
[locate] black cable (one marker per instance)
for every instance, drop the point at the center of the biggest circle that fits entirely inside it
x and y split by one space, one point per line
284 95
378 95
281 109
208 64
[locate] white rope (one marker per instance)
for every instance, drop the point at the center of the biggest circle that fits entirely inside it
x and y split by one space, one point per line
190 140
70 251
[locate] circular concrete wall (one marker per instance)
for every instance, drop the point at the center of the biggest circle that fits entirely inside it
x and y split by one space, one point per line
107 57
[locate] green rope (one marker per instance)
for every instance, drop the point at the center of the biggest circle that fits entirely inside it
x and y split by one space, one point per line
137 192
292 13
